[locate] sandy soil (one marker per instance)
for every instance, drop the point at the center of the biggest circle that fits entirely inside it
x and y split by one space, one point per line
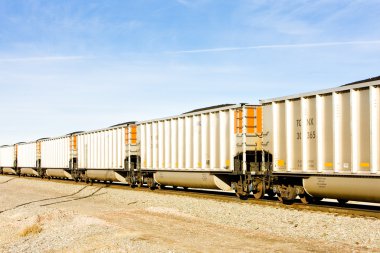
77 218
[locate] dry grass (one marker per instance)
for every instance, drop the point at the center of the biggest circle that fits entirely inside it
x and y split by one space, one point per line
31 230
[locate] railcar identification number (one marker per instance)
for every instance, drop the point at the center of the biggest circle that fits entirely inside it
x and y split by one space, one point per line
310 135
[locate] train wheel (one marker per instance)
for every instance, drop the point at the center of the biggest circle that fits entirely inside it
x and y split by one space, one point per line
162 187
306 198
287 194
270 193
242 188
132 182
138 181
259 191
285 200
242 195
150 182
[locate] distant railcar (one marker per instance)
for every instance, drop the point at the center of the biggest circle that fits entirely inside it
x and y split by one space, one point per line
58 156
8 160
27 163
102 154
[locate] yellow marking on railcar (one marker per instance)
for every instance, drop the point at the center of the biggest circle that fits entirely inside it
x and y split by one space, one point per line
364 164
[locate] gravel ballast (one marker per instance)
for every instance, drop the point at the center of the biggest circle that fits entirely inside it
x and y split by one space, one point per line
80 218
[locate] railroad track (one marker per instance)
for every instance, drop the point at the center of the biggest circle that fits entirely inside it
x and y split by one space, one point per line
350 209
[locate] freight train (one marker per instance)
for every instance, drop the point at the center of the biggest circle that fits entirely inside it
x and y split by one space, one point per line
323 144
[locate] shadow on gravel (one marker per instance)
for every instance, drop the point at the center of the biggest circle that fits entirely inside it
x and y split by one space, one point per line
84 197
8 181
34 201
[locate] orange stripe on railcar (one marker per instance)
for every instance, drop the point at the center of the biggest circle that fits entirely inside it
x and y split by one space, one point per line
259 120
250 120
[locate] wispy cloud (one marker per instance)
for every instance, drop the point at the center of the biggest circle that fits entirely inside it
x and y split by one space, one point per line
302 45
192 3
183 2
44 59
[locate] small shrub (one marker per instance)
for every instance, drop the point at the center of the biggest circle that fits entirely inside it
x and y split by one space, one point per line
31 230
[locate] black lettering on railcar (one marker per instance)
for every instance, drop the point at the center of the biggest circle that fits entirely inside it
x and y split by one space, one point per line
309 122
321 182
310 134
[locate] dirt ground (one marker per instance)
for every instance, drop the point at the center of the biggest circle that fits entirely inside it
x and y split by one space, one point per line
45 216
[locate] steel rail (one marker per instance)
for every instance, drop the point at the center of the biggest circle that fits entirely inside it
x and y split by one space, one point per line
349 209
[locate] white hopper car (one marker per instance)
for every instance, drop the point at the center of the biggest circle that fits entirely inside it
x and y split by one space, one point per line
27 158
325 143
8 161
102 154
57 156
216 148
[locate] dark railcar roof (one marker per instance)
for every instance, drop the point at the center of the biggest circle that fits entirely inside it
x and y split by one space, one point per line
76 132
208 108
125 123
377 78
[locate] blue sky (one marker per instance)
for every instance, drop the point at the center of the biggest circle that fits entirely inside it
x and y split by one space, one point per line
81 65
